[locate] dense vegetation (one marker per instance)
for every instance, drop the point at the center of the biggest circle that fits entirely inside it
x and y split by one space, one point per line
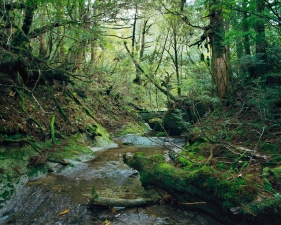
213 66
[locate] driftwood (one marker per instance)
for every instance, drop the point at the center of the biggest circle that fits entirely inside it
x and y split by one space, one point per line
119 202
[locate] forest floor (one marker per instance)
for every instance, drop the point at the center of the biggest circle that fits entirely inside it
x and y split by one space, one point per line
232 159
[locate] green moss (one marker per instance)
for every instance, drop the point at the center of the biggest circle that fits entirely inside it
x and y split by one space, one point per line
33 171
139 154
183 161
6 194
94 194
269 147
221 166
268 185
276 159
74 147
264 210
131 128
204 182
161 134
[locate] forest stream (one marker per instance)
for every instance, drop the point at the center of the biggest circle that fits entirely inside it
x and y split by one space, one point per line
63 197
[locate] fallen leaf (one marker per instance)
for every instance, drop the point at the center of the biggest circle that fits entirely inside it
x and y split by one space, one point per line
63 212
12 94
106 222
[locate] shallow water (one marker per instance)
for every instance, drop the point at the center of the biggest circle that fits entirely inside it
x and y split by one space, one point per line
69 190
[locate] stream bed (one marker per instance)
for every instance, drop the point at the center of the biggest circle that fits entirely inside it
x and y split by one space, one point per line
63 197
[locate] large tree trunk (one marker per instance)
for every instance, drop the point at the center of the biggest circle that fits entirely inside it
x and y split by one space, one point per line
219 61
262 64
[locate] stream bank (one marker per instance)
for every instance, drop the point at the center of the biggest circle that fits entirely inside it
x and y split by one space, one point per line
71 188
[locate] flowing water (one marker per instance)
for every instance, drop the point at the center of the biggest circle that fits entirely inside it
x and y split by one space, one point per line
63 197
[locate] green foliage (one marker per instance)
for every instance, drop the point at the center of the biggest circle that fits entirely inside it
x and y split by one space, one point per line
161 134
268 185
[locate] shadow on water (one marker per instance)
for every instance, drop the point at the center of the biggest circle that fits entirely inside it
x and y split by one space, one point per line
68 192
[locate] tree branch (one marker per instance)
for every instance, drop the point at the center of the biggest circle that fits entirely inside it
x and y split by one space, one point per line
164 91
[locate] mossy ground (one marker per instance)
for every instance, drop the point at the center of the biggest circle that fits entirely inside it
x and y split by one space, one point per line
26 129
15 169
131 128
231 159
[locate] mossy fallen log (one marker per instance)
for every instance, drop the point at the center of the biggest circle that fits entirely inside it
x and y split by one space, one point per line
206 184
119 202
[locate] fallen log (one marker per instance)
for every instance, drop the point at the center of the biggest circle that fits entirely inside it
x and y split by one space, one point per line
119 202
206 184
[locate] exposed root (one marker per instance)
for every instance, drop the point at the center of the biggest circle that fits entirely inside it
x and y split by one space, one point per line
22 101
52 129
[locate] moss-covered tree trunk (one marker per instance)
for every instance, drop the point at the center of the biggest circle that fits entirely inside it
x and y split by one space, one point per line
232 201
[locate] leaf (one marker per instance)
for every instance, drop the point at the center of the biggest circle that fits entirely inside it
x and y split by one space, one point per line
12 94
63 212
106 222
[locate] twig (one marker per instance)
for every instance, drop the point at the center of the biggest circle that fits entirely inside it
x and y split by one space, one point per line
39 104
259 140
210 157
192 203
247 209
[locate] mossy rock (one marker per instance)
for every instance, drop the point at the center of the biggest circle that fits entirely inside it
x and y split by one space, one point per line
156 124
131 128
175 122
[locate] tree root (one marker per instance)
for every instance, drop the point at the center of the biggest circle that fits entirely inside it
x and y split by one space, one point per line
87 110
60 109
52 129
21 141
42 129
22 101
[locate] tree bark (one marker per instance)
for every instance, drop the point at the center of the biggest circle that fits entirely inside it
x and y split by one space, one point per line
219 60
262 64
247 47
164 91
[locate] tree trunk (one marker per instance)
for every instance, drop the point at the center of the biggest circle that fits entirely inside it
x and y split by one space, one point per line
262 64
219 61
42 40
246 39
92 8
176 61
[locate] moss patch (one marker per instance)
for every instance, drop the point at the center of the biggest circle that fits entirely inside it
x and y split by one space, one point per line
131 128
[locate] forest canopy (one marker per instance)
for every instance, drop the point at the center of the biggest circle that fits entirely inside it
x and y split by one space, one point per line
170 49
